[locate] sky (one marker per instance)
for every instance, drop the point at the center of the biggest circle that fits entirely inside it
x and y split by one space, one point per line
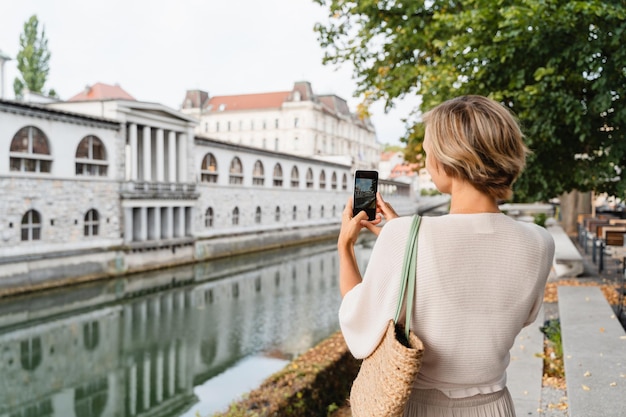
156 50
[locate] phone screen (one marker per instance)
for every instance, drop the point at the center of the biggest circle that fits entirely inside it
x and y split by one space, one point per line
365 187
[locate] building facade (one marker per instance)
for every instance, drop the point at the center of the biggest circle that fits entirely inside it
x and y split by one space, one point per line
296 122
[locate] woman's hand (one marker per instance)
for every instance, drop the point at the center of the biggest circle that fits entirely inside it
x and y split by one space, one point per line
351 226
383 209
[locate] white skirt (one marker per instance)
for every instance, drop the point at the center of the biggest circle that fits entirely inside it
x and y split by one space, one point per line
434 403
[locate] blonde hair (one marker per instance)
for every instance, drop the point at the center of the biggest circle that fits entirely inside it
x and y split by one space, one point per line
477 139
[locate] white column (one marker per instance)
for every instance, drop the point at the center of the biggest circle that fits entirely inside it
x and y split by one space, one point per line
181 221
171 366
182 157
128 224
182 365
132 389
169 225
132 133
160 158
143 229
157 223
171 150
159 376
147 154
146 381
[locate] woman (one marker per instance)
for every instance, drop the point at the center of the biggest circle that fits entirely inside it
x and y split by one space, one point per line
480 274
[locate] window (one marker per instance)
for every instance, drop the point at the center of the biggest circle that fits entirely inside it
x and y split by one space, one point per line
91 335
308 212
91 158
208 217
217 126
236 171
228 126
208 170
278 176
322 212
264 124
294 213
29 151
277 214
333 181
322 180
295 122
258 174
334 211
92 221
276 144
295 177
344 182
276 123
257 215
309 178
235 216
31 226
30 353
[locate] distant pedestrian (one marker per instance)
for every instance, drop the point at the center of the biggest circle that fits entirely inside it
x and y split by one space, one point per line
480 274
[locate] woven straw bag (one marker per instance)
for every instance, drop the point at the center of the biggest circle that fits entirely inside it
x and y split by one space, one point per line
383 384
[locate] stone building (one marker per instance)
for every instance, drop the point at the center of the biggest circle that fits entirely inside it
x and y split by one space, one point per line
103 184
297 122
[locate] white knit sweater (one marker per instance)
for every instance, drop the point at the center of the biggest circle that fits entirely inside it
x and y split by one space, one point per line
480 279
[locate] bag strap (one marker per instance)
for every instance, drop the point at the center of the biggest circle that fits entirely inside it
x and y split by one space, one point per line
408 274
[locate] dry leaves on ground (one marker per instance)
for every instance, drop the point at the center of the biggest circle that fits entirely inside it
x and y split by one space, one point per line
610 291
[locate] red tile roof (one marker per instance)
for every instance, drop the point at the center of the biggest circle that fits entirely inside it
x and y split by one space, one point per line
248 101
101 91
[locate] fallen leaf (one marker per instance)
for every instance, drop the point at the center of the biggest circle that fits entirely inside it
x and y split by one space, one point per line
613 384
602 329
587 373
586 388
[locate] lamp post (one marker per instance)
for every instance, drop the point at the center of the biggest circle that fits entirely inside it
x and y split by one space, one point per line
3 58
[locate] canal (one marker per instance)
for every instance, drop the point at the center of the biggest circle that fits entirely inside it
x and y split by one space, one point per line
181 342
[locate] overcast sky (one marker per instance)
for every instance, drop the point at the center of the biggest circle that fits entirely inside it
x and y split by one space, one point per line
158 49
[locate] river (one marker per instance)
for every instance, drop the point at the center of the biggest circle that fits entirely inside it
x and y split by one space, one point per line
184 341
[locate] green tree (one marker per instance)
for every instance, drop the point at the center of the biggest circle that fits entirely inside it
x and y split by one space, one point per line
32 59
559 65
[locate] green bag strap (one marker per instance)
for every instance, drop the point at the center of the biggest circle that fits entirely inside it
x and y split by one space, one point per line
409 269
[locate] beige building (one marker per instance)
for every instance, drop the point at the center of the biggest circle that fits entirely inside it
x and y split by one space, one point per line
296 122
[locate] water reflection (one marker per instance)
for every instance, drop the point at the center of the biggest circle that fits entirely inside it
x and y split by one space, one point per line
139 345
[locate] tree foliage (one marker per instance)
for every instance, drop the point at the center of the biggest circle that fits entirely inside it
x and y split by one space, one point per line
32 59
557 64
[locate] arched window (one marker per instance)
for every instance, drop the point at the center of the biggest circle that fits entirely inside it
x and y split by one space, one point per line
309 178
277 214
257 215
90 399
236 171
258 173
278 176
294 213
30 353
333 181
295 177
208 217
322 180
92 222
208 170
31 225
276 143
344 182
91 157
235 216
91 335
29 151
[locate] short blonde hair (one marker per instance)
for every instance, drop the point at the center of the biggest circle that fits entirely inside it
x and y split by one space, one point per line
479 140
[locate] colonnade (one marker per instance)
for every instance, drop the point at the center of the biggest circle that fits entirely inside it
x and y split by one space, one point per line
150 221
157 154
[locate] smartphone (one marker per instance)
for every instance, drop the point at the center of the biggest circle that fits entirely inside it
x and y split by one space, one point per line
365 188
